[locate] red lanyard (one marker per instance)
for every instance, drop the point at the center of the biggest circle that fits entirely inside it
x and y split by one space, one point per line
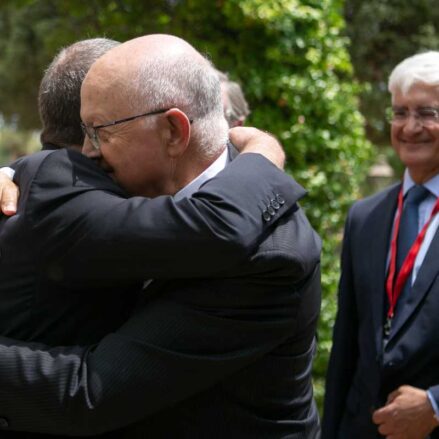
394 288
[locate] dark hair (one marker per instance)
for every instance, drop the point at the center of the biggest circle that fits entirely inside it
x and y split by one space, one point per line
59 98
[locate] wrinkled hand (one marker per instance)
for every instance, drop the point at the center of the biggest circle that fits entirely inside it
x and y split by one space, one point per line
248 139
8 195
408 414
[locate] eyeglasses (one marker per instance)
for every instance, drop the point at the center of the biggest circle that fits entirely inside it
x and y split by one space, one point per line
427 116
92 131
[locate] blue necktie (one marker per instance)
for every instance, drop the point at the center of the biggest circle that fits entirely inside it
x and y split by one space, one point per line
408 231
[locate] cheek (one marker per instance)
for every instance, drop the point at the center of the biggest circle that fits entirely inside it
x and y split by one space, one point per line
394 136
435 135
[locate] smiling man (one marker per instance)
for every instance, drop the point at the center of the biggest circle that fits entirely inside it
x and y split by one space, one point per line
383 376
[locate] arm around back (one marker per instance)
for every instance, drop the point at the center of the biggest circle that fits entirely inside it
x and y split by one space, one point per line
87 230
182 342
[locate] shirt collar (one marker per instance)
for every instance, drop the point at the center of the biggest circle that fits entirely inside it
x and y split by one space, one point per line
218 165
432 185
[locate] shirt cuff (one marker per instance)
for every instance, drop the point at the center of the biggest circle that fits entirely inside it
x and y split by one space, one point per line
9 172
433 404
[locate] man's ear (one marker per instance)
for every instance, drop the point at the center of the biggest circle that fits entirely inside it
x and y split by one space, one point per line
179 132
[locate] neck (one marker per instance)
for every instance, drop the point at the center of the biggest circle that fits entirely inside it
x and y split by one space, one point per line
421 176
189 168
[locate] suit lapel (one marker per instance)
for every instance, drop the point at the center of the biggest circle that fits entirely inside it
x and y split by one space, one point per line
381 222
426 275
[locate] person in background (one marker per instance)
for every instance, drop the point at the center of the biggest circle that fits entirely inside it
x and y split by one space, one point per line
383 375
236 109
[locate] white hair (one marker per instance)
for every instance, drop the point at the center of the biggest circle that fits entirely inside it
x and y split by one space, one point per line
418 69
193 87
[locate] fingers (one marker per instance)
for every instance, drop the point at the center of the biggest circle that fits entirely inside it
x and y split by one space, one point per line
8 195
385 430
379 415
391 397
241 136
252 140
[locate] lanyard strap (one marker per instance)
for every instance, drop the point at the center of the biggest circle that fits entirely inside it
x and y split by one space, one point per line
394 288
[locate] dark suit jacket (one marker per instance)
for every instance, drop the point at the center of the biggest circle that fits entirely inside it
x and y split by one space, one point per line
75 216
361 371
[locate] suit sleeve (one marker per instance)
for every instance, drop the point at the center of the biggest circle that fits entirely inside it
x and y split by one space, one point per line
85 230
344 349
175 346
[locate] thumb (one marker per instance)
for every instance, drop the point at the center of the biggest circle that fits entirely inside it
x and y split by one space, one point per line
8 196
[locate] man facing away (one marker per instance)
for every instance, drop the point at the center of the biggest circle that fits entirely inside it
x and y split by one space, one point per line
384 367
59 103
225 356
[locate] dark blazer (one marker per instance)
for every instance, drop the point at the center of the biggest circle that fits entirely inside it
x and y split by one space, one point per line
177 343
362 372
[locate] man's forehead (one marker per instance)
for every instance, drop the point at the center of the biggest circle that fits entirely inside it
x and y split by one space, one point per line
417 94
103 99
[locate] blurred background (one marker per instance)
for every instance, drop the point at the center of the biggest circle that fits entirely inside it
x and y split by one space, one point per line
314 73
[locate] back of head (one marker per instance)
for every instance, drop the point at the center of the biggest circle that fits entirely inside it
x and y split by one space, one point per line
236 108
418 69
163 71
59 98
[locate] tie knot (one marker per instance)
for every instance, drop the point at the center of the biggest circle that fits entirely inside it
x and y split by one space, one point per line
417 194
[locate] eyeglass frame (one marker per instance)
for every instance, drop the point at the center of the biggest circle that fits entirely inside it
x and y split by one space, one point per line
390 114
93 135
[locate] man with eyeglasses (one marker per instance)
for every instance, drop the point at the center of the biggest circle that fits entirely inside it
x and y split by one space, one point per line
383 375
226 355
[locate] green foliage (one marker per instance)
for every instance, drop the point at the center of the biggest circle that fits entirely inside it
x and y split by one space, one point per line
292 59
14 144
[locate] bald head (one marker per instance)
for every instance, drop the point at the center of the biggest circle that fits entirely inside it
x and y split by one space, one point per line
163 71
156 46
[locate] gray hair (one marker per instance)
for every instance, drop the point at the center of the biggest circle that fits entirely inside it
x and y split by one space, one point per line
422 68
236 108
59 99
194 88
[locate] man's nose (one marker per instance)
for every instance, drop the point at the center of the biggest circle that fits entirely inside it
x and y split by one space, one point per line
89 150
413 124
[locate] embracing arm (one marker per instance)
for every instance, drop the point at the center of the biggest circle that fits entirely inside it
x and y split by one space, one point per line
155 360
85 232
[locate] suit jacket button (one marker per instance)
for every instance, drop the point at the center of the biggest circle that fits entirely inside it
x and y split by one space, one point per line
280 199
4 423
271 211
266 216
274 204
